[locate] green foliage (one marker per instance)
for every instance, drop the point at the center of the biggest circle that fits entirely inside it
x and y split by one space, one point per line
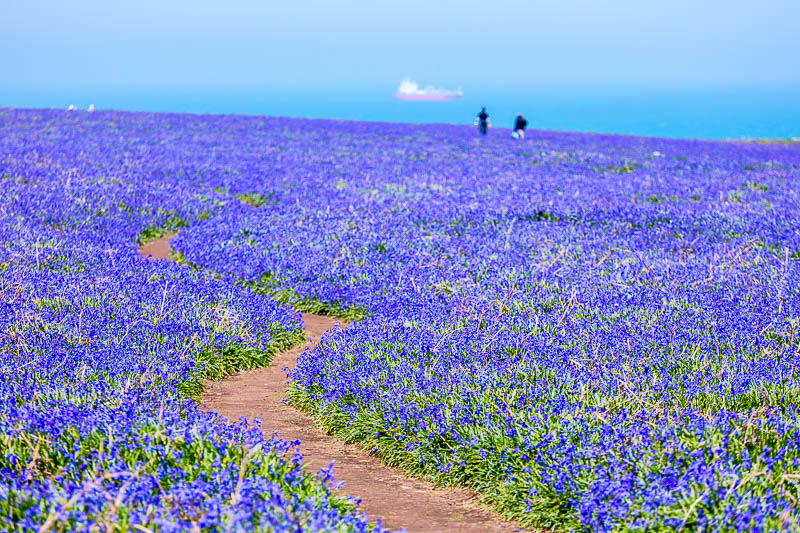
254 199
418 456
481 455
625 168
756 187
270 285
191 454
169 224
180 258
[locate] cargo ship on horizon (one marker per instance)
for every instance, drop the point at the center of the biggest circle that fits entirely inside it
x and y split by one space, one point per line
411 91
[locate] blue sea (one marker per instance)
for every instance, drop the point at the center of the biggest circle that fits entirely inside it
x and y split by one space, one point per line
705 113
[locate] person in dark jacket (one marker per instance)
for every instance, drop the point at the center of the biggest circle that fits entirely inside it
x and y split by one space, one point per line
519 127
482 121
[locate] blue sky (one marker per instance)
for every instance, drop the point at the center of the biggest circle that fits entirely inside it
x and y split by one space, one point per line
246 45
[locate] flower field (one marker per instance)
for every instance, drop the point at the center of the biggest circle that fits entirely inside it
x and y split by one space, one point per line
597 333
101 351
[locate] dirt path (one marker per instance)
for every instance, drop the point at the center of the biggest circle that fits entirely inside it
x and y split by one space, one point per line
158 249
399 501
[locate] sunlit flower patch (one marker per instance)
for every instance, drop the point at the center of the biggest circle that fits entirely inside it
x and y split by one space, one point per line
596 332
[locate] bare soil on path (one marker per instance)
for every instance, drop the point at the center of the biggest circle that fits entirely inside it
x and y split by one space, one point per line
158 249
386 493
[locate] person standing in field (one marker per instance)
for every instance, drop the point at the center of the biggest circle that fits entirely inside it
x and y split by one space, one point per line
519 127
482 121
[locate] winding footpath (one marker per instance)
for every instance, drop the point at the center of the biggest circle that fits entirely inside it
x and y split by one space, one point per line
399 501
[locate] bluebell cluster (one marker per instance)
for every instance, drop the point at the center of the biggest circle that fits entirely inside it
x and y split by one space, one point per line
596 332
103 352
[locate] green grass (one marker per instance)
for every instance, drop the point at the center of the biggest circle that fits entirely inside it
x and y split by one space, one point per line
254 199
171 224
270 285
195 457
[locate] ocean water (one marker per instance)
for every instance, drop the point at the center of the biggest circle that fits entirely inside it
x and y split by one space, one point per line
705 113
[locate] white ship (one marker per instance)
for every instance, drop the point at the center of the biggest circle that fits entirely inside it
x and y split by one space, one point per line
410 90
